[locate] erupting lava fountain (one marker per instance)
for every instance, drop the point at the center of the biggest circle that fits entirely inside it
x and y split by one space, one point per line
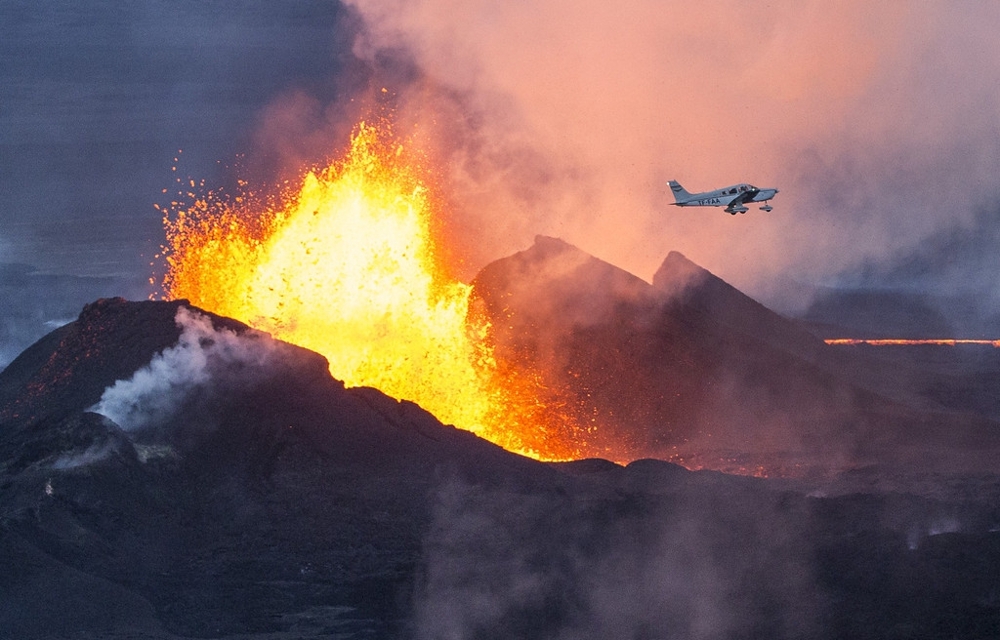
348 267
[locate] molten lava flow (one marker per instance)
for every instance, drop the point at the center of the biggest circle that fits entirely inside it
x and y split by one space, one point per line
890 342
348 267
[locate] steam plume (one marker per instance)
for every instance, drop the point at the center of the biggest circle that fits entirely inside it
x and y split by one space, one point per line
160 389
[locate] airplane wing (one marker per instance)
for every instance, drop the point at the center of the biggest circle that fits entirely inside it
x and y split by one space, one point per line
738 202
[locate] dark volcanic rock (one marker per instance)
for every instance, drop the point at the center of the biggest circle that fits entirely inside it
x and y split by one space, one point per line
692 370
696 291
264 491
68 369
269 502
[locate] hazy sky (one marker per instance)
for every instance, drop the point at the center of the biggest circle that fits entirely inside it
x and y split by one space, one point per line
879 122
97 98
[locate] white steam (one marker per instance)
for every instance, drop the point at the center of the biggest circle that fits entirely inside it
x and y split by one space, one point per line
158 390
93 453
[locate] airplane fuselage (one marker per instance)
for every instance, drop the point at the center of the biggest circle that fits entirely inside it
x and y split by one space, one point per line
732 197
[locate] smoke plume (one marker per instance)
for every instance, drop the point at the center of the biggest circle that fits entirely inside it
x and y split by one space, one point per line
878 122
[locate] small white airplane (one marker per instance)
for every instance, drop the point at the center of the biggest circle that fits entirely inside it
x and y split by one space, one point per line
732 198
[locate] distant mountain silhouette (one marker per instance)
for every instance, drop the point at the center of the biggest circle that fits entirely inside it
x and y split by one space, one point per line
866 313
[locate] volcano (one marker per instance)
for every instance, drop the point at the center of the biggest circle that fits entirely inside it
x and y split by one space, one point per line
162 507
690 369
166 472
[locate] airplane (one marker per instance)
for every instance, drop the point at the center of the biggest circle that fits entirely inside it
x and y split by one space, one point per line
732 198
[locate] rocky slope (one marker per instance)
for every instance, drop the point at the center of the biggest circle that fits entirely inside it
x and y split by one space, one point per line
690 369
263 488
167 473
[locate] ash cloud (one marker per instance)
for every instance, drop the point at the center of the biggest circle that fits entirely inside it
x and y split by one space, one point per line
878 122
204 357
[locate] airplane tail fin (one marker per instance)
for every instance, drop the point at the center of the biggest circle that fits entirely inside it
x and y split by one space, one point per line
680 193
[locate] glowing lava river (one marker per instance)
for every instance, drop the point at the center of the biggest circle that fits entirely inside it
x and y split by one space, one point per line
916 342
348 267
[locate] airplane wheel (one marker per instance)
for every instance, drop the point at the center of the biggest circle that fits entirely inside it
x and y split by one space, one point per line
732 213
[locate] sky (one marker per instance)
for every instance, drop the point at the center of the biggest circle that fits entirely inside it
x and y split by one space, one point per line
878 121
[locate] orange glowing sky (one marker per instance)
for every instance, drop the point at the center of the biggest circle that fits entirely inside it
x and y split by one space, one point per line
862 113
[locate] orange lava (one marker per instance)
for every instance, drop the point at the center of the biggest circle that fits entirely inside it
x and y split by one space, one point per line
891 342
348 266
